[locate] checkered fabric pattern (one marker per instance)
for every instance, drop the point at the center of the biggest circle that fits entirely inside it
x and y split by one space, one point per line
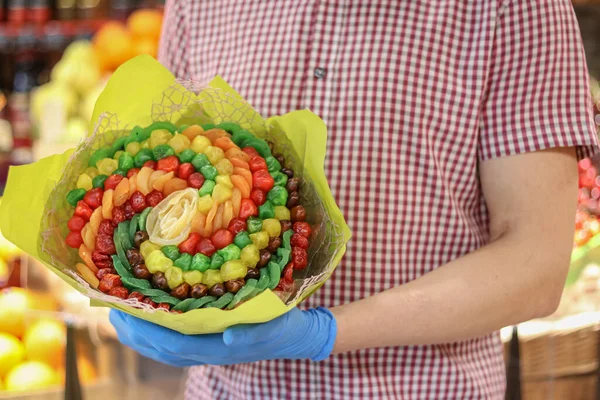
415 94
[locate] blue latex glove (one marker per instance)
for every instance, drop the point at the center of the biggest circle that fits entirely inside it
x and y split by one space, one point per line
294 335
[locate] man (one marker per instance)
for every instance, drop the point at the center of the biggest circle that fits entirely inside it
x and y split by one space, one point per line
454 131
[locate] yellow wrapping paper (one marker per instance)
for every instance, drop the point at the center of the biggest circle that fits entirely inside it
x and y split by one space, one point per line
34 212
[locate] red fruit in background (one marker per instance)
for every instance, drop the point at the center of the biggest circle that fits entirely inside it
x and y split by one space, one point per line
302 228
132 171
257 163
106 227
154 197
118 215
112 181
584 164
83 210
583 195
168 164
195 180
74 239
580 218
236 226
298 240
581 237
119 292
592 226
138 202
258 196
189 245
248 209
222 238
206 247
262 180
93 197
251 151
299 257
150 164
105 244
76 223
595 193
185 170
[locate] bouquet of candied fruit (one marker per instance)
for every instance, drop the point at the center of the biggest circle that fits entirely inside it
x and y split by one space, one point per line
184 207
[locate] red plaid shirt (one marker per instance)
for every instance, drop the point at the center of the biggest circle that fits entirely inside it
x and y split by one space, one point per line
415 94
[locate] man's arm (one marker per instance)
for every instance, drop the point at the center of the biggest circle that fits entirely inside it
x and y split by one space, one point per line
519 275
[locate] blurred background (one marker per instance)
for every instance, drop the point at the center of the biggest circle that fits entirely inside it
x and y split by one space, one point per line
55 57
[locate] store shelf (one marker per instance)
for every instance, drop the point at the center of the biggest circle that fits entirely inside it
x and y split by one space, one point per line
50 28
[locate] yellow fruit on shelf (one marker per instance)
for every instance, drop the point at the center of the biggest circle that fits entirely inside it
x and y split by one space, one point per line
145 46
45 341
145 24
12 353
14 303
31 375
113 45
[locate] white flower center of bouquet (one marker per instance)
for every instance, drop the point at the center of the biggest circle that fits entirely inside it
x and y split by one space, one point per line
169 223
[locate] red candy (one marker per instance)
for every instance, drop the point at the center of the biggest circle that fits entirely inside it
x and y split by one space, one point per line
248 209
287 272
132 171
195 180
83 210
108 282
93 198
118 215
112 181
206 247
105 244
258 196
150 164
119 292
299 257
76 223
251 151
257 163
299 241
129 211
103 271
154 197
302 228
168 164
236 226
106 228
98 257
189 245
74 239
136 295
222 238
164 306
147 300
138 202
185 170
262 180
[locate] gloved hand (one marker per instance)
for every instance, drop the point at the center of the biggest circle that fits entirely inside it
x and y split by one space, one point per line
294 335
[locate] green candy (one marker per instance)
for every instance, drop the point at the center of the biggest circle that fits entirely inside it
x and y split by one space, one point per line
133 226
230 252
243 294
207 126
144 217
118 144
272 164
120 268
142 156
280 178
126 161
123 230
287 239
136 135
274 275
242 239
216 261
182 128
184 305
186 156
184 261
197 303
241 137
121 239
260 145
165 298
162 150
200 262
267 210
98 155
135 284
209 172
199 161
254 224
151 292
172 252
278 196
120 172
230 127
207 187
263 282
161 125
75 195
98 181
284 257
222 302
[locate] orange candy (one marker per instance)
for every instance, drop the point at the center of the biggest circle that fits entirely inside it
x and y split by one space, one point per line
242 184
174 185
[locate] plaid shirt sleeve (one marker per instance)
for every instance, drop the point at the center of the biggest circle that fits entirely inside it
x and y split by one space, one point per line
174 43
538 93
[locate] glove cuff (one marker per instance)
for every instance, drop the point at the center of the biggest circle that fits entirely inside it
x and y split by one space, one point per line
328 323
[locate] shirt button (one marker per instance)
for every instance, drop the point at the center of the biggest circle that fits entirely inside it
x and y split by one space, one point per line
320 72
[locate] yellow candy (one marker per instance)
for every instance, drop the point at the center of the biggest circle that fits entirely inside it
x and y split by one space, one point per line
282 213
117 155
234 269
199 144
158 262
193 277
260 239
221 193
205 203
159 136
272 227
133 148
250 256
212 277
92 172
148 247
107 166
145 144
214 154
179 143
84 182
224 180
224 167
174 276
